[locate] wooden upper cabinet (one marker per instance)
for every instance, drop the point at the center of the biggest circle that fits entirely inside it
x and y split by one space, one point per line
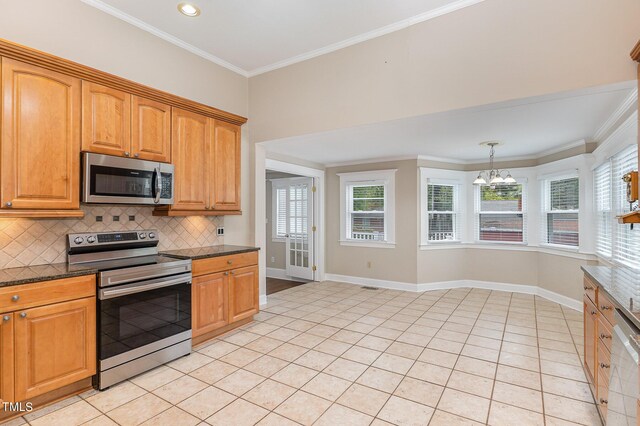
55 346
150 130
40 143
243 293
210 306
6 357
190 152
106 120
225 161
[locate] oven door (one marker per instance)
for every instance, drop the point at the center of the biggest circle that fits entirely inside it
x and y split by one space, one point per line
117 180
140 318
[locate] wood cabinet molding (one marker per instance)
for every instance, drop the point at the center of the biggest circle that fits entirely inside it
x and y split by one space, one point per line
635 53
35 57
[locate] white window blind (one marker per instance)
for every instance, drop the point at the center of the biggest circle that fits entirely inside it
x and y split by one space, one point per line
603 213
366 208
501 213
443 219
626 242
279 212
561 204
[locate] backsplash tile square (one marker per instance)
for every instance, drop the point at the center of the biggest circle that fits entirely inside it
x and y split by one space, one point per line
26 242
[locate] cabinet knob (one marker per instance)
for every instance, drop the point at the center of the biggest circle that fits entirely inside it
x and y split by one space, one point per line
603 401
9 204
6 318
23 315
229 262
603 365
594 312
136 155
226 273
15 297
586 288
605 307
232 272
605 336
127 154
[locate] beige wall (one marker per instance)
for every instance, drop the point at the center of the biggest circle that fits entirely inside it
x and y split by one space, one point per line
398 264
275 249
494 51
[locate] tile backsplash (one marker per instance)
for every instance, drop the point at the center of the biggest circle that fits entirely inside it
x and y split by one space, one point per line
39 241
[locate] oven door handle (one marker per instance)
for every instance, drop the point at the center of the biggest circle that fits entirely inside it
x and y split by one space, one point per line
144 286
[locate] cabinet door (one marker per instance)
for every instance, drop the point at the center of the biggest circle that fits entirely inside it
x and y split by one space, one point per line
590 318
243 293
106 120
55 345
150 130
6 357
189 152
210 302
40 144
225 158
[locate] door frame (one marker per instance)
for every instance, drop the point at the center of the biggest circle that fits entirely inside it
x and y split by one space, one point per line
261 165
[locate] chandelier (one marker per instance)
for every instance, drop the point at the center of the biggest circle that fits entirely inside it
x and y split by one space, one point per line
493 176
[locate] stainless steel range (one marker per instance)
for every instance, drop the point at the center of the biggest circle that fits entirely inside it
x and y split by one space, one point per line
144 302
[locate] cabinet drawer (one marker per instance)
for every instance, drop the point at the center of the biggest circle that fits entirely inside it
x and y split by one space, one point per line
605 333
224 263
602 399
590 289
13 298
606 308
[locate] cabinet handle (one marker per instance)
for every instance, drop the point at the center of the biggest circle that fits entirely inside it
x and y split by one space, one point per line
603 401
23 315
594 312
127 153
6 318
136 155
15 298
605 307
605 336
9 204
603 365
586 287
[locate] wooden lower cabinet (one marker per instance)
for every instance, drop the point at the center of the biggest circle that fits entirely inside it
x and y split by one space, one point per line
224 294
6 357
243 293
55 346
590 338
210 309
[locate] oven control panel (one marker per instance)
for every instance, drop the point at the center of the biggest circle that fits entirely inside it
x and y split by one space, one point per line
109 238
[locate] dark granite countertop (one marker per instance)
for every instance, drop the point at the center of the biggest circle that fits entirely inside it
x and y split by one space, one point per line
32 274
622 286
206 252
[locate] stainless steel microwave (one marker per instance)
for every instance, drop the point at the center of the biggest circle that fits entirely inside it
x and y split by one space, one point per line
116 180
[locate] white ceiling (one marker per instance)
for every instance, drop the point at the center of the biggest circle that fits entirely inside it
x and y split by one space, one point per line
528 128
251 37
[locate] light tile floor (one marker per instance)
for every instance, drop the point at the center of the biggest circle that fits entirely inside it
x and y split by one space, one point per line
337 354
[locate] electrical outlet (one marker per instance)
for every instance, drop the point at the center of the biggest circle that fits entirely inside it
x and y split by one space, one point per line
273 259
220 231
116 218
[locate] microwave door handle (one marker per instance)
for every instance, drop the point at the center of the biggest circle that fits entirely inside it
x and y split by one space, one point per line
157 186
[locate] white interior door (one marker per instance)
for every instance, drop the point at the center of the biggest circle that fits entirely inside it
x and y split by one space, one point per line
299 237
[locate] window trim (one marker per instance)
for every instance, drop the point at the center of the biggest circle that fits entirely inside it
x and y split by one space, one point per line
384 177
545 182
456 212
524 212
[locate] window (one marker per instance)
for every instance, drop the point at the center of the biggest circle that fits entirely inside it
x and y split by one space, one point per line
602 199
500 213
615 241
560 204
442 210
279 211
368 205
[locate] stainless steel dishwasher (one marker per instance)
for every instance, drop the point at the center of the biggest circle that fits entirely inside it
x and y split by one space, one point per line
624 388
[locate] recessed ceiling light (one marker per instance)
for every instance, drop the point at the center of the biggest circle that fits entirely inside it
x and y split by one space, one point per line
189 9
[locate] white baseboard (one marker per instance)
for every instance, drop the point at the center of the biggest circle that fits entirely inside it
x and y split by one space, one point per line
263 299
279 273
447 285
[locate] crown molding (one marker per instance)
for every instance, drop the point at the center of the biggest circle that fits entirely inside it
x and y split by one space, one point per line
100 5
619 135
396 26
627 106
